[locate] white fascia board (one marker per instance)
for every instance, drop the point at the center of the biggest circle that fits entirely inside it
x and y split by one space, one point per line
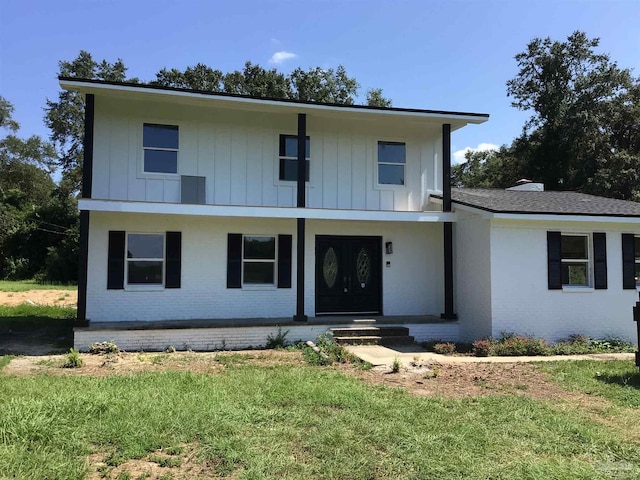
533 217
564 218
260 212
82 86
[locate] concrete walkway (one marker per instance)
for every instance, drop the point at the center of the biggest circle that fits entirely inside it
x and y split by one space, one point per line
379 355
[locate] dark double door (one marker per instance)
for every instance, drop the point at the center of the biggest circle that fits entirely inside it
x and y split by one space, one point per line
348 275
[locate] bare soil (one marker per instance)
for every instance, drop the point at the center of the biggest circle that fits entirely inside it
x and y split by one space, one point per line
60 298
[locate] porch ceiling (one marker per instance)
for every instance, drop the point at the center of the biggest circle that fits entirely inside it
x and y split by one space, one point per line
261 212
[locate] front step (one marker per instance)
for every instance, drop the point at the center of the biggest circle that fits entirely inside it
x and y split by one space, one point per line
374 340
370 331
372 336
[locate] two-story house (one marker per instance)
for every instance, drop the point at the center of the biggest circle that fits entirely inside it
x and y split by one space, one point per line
210 220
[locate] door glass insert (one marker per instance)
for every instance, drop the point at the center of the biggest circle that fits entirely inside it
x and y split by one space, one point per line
330 267
363 267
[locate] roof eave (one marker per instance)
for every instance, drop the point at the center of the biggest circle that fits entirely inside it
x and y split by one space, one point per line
91 86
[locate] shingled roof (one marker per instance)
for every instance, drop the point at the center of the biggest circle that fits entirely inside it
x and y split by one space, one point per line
543 203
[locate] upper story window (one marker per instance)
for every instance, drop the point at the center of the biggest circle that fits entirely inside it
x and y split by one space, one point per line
259 260
160 143
288 155
574 254
392 159
145 258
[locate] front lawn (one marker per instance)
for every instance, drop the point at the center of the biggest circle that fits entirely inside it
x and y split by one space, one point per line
290 420
26 285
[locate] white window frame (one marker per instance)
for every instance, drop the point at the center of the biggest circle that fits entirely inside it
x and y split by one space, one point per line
284 157
588 261
389 186
261 286
145 286
177 150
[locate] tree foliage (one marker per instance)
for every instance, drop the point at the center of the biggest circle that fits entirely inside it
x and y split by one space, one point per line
37 220
583 130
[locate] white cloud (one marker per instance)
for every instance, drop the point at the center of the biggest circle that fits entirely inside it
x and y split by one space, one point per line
458 155
280 57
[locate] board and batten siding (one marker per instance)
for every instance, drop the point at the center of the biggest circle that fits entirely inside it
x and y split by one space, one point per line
237 152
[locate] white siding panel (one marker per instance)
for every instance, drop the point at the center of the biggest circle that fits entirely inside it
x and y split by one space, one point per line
101 152
206 160
172 191
239 166
119 151
269 168
359 173
386 199
344 170
222 157
254 166
154 190
330 170
136 185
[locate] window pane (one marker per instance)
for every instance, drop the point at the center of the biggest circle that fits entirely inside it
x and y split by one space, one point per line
289 170
145 272
289 146
574 274
391 174
637 247
262 272
160 136
260 248
638 274
573 246
391 152
141 245
161 161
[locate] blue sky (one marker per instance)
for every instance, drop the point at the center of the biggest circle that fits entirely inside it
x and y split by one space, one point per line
449 55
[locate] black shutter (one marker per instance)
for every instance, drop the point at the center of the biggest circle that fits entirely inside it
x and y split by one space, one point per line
174 259
628 261
234 260
554 261
115 267
600 261
284 260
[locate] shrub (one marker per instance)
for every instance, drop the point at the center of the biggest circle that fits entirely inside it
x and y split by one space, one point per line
512 345
100 348
277 341
395 366
73 360
481 348
447 348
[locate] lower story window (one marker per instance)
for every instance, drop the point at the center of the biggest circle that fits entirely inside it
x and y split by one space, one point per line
575 260
258 260
145 259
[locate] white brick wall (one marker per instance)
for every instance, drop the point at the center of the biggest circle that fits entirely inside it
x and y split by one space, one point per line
521 301
472 276
231 338
412 285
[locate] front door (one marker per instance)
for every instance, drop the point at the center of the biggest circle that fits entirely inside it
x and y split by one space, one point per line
348 275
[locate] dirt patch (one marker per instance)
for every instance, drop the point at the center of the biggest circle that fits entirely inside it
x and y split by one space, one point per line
124 363
179 462
59 298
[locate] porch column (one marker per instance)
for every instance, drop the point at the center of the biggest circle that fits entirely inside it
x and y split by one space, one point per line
302 203
448 226
87 183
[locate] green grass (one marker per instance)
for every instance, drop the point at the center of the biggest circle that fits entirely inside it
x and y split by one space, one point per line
25 285
618 381
4 361
296 422
29 317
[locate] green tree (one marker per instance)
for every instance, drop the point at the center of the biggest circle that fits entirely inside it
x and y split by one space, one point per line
584 116
376 99
65 117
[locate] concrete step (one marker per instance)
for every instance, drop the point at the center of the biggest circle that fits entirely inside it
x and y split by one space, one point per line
376 340
370 331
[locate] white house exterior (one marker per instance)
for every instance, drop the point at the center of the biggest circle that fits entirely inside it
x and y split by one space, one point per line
197 228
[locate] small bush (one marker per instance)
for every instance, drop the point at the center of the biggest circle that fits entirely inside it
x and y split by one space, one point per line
395 366
73 359
330 353
102 348
481 348
519 345
277 341
447 348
